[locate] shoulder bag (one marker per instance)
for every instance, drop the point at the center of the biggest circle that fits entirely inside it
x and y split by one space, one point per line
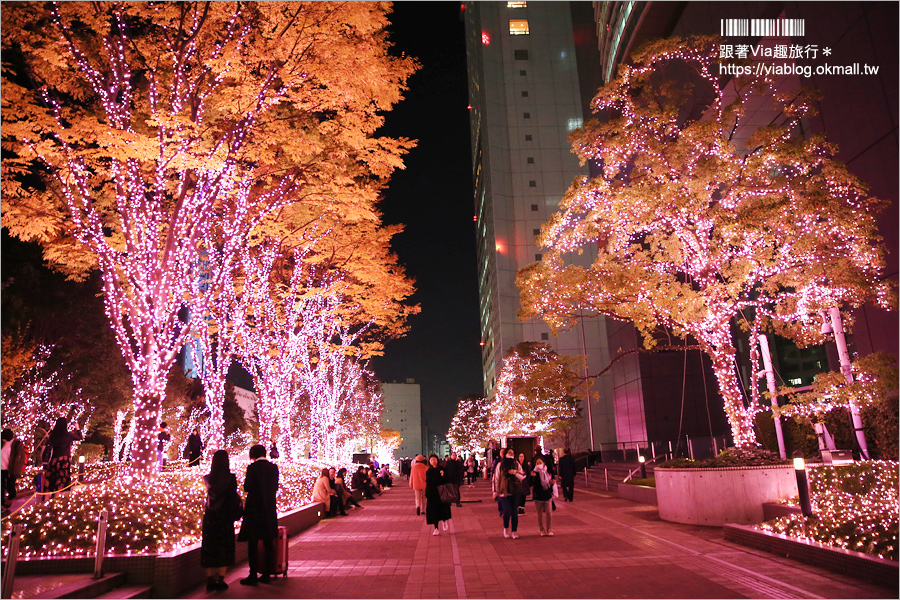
449 493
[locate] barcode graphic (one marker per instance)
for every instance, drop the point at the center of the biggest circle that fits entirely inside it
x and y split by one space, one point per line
763 27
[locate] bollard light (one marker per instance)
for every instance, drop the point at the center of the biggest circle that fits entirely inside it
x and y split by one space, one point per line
81 469
643 460
802 484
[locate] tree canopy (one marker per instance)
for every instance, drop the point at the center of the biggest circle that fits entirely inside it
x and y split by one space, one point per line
701 217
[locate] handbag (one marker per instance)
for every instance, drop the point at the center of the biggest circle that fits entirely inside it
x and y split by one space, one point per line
555 491
449 493
514 486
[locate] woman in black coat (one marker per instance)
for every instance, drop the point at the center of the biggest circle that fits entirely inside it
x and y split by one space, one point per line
217 547
436 512
58 471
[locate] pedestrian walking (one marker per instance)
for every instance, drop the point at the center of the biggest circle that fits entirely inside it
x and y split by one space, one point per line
322 491
526 483
12 462
437 512
567 475
260 516
506 486
542 494
471 469
194 448
223 505
551 468
417 482
162 444
453 471
58 472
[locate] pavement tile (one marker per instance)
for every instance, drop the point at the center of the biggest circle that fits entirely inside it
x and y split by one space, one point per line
604 547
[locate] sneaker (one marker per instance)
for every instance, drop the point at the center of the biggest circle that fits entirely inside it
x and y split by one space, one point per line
418 511
445 525
515 535
505 532
250 581
550 534
436 532
543 533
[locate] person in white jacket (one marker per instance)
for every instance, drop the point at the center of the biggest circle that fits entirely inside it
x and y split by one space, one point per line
506 485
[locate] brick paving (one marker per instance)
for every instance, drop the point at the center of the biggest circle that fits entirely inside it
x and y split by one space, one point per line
604 547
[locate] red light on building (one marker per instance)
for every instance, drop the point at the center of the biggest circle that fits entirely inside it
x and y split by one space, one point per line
475 218
485 38
481 343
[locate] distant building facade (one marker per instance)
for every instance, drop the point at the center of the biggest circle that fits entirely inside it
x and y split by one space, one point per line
524 96
403 413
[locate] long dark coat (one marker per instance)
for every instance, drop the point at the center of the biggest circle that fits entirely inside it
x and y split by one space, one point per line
435 510
567 467
217 547
260 510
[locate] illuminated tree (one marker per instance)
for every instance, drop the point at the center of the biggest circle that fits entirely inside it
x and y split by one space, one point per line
131 127
698 219
469 427
35 396
537 392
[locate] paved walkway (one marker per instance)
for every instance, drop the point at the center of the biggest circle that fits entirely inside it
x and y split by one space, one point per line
604 547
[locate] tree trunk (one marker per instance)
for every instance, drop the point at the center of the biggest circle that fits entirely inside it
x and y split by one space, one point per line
740 419
144 446
215 404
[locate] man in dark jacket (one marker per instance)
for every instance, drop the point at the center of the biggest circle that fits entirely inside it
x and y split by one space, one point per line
567 475
260 516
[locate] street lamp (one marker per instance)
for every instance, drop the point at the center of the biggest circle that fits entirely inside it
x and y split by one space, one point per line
643 461
802 484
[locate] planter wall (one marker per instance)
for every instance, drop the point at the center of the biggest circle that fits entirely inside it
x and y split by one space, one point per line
638 493
718 496
170 574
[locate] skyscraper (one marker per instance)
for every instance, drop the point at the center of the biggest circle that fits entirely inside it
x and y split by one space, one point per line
525 99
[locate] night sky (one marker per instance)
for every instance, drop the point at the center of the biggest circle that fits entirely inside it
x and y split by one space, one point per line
433 198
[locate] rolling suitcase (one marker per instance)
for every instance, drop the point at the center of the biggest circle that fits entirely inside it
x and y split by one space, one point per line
281 553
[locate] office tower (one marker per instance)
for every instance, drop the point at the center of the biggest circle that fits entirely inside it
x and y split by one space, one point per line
525 99
403 413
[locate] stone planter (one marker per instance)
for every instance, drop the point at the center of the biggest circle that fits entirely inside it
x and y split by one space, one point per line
718 496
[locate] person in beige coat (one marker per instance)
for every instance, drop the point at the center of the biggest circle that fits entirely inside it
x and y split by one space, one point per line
417 482
322 491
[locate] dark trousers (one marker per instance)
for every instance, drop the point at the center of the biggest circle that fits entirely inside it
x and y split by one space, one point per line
268 565
568 488
337 505
8 484
510 507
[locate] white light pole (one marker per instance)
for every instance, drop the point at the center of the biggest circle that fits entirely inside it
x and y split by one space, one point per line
773 392
840 341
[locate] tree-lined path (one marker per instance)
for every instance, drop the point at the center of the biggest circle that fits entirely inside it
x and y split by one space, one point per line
603 547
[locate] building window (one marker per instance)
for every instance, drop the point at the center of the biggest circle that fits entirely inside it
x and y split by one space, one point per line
527 137
534 207
530 160
538 256
526 115
522 72
532 184
545 336
520 55
573 124
518 27
516 4
524 94
536 231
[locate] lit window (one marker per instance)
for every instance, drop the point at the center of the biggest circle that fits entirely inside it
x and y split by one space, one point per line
574 124
514 4
485 38
518 27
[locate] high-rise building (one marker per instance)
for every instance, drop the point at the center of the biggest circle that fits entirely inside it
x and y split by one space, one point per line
525 98
403 413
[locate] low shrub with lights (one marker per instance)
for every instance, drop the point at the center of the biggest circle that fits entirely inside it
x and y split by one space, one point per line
855 507
730 457
144 517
